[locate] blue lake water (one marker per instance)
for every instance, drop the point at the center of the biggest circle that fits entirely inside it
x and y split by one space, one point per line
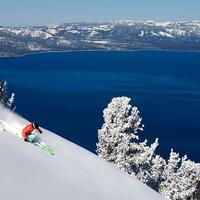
67 92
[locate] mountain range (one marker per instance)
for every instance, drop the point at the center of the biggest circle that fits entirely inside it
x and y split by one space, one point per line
124 35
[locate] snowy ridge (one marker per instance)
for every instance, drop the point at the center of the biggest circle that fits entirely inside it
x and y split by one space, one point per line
73 173
120 35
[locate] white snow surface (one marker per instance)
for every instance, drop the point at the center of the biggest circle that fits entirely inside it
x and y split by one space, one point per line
141 34
72 173
73 31
165 34
101 42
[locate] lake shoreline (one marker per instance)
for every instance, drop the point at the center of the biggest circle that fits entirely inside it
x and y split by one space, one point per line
123 51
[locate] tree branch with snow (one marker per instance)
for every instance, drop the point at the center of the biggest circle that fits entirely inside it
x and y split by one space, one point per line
6 100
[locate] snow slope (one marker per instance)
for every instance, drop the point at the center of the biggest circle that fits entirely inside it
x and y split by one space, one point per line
27 172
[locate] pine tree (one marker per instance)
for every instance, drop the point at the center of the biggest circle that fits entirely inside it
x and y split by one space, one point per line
188 179
121 124
168 185
5 100
119 142
155 172
146 158
152 168
181 178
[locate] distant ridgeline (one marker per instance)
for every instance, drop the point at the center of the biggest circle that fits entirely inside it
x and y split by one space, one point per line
115 36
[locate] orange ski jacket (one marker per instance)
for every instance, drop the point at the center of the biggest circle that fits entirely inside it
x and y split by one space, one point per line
28 130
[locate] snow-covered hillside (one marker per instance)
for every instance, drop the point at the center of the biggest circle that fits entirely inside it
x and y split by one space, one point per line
72 173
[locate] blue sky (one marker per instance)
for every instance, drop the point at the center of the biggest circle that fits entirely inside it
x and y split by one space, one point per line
41 12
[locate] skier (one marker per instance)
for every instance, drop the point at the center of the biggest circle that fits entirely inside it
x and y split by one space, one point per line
27 131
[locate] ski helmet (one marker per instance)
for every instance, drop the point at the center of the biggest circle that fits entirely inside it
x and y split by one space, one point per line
35 125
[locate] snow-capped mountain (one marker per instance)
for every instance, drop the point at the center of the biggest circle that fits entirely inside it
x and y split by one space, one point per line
72 173
117 35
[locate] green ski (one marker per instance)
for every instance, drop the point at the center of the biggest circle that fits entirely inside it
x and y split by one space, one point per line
43 146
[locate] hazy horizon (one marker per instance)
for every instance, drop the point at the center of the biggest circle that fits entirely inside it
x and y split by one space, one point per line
37 13
108 21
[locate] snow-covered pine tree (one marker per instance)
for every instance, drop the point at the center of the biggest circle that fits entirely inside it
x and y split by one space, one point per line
158 165
5 100
188 179
181 178
121 123
155 172
168 185
119 142
146 162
